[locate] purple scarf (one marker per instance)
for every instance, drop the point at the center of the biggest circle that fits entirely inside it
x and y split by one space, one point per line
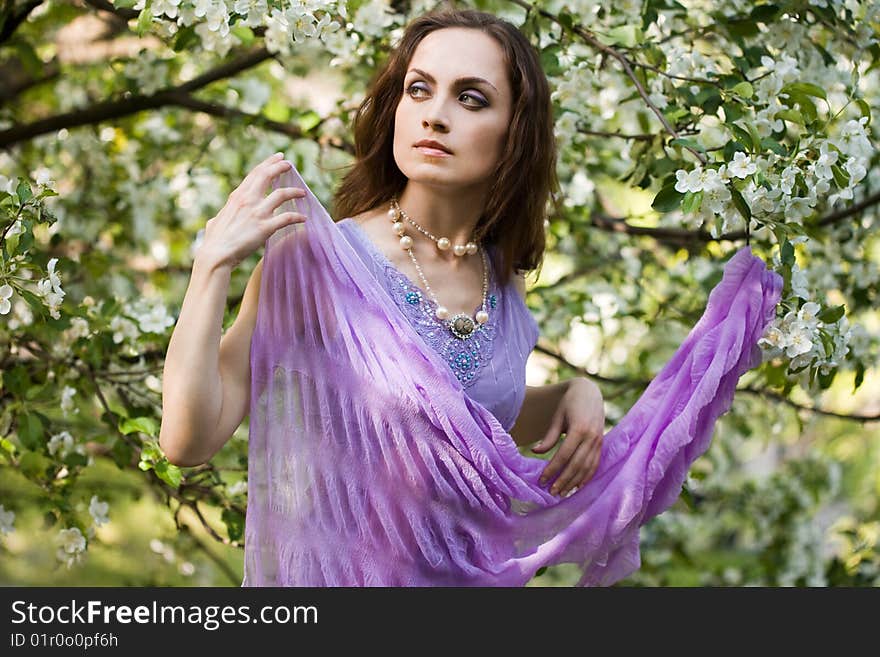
370 466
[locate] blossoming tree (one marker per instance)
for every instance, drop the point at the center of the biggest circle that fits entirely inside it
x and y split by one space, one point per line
686 129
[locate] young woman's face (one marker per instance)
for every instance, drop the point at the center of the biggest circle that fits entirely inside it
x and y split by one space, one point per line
471 118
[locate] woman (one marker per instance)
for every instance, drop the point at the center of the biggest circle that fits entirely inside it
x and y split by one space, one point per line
380 454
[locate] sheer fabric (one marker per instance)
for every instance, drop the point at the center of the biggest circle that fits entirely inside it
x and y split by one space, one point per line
490 366
369 465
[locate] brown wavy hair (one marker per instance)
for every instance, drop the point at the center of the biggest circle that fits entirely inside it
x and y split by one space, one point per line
525 177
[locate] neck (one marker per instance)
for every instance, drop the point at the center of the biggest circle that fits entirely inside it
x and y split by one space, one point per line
443 214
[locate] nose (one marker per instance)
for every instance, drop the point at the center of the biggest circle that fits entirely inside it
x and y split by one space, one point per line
434 117
436 123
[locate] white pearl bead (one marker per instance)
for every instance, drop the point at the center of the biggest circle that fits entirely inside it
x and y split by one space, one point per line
443 243
459 250
482 317
398 227
441 312
406 242
392 213
471 248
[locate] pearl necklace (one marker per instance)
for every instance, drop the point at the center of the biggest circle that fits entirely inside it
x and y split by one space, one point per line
461 325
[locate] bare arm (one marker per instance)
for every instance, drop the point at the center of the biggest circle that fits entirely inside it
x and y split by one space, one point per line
206 380
538 408
540 403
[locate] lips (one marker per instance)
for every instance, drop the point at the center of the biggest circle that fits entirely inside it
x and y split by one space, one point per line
429 143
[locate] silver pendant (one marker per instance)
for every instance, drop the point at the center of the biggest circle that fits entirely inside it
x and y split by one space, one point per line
462 326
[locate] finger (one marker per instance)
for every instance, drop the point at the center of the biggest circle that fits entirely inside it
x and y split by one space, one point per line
552 434
286 219
591 469
280 196
572 470
562 456
261 175
591 463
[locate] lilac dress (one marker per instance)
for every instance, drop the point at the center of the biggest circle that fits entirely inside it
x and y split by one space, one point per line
491 365
371 462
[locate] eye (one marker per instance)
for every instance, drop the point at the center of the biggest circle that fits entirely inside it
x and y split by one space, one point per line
413 86
480 102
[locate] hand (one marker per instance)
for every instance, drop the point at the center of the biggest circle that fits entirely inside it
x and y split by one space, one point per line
247 220
581 416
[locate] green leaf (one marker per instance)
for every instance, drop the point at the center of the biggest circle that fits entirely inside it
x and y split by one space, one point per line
765 13
681 141
628 36
565 19
860 376
168 473
308 120
807 106
145 425
28 58
865 110
234 522
741 204
827 342
122 454
732 112
742 135
790 115
691 202
185 38
7 446
244 33
805 88
773 145
753 131
667 199
744 89
841 178
33 464
786 253
831 315
31 431
24 192
145 20
276 109
825 380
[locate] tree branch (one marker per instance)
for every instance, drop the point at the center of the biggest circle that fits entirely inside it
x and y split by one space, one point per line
15 19
761 392
131 104
587 36
685 237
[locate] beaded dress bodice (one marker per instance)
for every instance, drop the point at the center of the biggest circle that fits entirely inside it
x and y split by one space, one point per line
490 363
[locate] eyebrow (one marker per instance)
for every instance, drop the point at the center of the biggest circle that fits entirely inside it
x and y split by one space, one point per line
465 80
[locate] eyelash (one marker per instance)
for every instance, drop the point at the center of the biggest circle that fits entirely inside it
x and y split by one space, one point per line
476 98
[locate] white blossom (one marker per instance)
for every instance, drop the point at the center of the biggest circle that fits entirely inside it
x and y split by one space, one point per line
689 181
5 294
6 520
50 290
67 399
742 165
62 444
73 543
98 510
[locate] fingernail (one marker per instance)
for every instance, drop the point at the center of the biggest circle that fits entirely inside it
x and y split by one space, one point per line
278 154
